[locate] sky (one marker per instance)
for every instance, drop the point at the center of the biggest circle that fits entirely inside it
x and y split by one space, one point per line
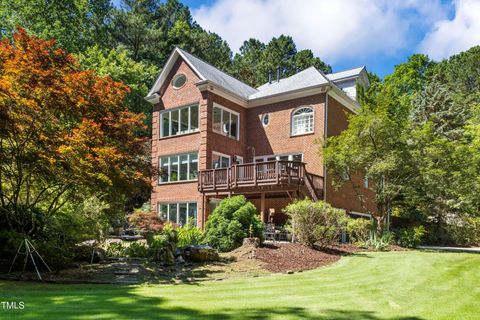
348 33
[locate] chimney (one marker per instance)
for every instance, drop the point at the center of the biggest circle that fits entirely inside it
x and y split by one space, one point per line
270 76
278 74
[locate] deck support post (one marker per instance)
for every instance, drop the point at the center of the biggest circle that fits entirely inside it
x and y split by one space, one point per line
262 207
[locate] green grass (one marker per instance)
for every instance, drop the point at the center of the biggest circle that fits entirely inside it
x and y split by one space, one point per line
390 285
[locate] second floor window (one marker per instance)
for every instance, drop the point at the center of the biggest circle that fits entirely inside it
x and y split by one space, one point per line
181 167
302 121
179 121
220 160
226 122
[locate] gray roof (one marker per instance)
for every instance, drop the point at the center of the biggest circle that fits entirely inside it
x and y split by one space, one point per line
309 77
345 74
209 72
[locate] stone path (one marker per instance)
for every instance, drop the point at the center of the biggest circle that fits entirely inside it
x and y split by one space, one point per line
125 273
452 249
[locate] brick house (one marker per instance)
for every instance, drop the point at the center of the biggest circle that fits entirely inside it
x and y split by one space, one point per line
215 136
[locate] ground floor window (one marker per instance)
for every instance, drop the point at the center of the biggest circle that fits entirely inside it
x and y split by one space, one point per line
180 213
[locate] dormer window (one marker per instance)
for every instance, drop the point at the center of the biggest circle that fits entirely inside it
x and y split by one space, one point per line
302 121
179 81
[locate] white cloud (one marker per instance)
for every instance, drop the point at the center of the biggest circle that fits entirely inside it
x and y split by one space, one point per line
452 36
332 29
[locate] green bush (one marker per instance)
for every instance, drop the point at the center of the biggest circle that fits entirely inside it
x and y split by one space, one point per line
411 237
189 235
230 222
116 249
162 246
380 243
465 233
359 230
137 250
316 222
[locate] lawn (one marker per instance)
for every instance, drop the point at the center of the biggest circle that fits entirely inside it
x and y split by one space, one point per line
385 285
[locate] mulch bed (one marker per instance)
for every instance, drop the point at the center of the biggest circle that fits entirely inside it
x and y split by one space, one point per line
286 257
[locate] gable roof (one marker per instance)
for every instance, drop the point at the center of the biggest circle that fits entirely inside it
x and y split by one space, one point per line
303 82
204 71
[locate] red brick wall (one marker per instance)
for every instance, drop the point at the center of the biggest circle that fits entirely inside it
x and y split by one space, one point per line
220 143
276 137
273 139
173 98
345 197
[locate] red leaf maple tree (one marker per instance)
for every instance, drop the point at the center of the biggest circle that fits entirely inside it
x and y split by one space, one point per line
63 132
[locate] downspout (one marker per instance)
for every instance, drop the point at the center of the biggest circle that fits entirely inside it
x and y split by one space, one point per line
325 133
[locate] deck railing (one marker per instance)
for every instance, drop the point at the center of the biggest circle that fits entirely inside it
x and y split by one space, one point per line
277 172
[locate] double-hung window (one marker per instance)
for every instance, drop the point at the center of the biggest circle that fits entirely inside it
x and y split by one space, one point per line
179 121
302 121
226 122
178 212
181 167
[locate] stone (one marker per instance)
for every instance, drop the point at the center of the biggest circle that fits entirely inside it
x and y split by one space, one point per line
178 252
201 253
254 242
179 260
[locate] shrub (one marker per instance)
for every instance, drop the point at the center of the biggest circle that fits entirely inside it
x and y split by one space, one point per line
465 233
316 222
189 235
146 222
162 246
359 230
230 222
380 243
116 249
411 237
137 250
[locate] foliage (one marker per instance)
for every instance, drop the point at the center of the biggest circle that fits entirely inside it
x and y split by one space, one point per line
66 137
189 235
464 232
137 250
411 237
376 140
229 223
256 60
162 246
359 230
316 222
380 243
146 222
116 249
120 67
75 24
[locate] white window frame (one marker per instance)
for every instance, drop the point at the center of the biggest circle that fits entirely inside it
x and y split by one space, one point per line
294 116
178 110
179 164
222 155
216 105
277 156
177 204
365 182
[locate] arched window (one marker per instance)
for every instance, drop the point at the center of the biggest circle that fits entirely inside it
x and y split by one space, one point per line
302 121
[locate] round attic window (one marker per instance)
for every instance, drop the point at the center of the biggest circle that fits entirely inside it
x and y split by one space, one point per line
265 119
179 81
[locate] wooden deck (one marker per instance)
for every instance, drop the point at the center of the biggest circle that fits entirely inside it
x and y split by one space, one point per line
267 176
